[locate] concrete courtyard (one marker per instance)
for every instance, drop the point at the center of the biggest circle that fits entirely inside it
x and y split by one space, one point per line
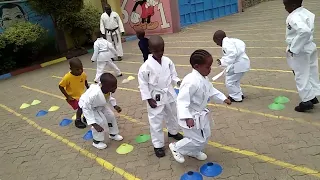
250 141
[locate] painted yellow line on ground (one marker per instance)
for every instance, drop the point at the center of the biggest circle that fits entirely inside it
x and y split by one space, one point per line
218 83
227 31
53 62
209 47
188 55
173 38
187 65
107 165
264 158
227 22
262 87
215 105
267 159
245 40
234 33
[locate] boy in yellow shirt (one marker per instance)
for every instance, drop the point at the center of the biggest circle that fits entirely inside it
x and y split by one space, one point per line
73 86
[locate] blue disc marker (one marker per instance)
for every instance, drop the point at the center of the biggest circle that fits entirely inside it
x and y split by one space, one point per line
65 122
191 176
41 113
88 135
211 169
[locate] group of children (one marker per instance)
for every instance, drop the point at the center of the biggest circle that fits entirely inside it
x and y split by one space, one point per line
157 76
188 110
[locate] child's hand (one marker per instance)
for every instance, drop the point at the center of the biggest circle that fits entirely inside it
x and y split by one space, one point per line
97 127
152 103
179 83
117 108
227 101
219 62
69 98
190 123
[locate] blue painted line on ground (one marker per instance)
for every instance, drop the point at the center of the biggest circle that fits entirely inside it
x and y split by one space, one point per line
5 76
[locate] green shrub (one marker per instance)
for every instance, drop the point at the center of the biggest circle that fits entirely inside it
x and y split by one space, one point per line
20 45
23 33
79 24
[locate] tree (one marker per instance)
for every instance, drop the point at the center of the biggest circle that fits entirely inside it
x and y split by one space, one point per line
56 9
84 22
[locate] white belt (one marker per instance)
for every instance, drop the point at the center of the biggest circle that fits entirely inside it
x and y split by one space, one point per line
199 117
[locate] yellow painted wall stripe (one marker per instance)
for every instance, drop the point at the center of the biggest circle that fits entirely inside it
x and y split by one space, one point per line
107 165
53 62
267 159
218 83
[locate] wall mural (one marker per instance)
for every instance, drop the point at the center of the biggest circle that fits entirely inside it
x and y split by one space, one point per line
153 16
16 11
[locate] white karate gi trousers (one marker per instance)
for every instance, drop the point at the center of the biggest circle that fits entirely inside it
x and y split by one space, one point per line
305 67
194 140
156 116
117 42
101 66
232 82
109 123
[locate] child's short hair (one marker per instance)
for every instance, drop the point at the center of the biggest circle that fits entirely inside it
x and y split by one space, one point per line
198 57
140 33
108 77
298 2
74 61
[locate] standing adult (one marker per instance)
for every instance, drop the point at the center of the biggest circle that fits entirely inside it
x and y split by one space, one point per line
302 53
111 26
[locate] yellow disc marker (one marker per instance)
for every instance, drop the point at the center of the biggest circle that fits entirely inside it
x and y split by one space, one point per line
124 148
35 102
54 108
24 105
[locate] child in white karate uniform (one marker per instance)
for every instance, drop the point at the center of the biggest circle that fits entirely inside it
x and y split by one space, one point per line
95 104
156 79
103 54
236 62
302 54
193 115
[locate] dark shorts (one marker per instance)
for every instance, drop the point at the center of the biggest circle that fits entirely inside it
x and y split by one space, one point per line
74 104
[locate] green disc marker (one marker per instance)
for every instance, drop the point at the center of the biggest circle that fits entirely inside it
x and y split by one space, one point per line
281 100
124 148
276 106
142 138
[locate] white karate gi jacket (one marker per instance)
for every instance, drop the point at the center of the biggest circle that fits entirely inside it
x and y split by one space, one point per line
299 31
93 103
110 22
234 56
155 78
195 90
103 50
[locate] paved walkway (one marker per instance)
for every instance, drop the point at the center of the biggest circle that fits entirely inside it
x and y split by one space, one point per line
249 141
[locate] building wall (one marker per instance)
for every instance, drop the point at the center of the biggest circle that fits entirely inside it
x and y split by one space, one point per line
155 16
19 10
